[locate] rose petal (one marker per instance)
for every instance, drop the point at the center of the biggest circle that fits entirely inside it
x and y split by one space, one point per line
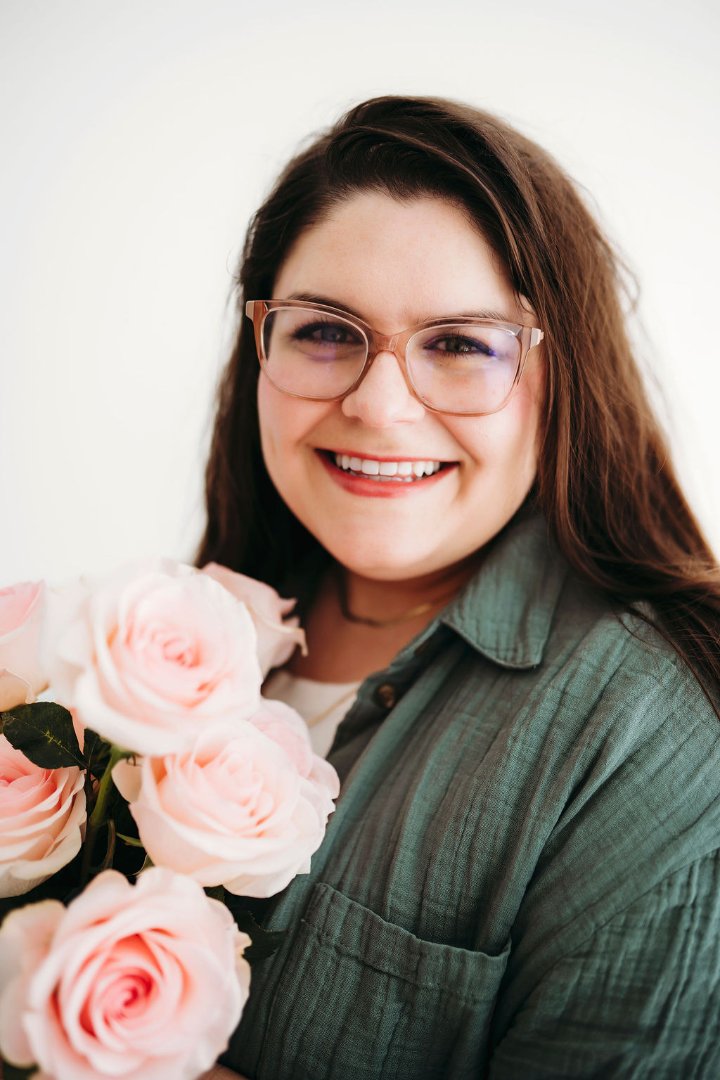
145 982
278 636
42 817
14 691
22 612
236 812
155 654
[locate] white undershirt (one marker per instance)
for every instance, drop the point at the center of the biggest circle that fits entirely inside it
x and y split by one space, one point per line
322 705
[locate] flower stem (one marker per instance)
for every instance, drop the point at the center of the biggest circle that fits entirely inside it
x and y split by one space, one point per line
99 813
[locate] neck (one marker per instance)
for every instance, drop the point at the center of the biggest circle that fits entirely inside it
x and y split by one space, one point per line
343 650
379 604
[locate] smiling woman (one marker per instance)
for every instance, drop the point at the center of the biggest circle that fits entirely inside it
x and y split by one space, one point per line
399 263
432 431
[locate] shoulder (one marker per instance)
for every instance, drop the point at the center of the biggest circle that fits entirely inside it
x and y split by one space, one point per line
601 668
598 724
626 673
633 742
642 730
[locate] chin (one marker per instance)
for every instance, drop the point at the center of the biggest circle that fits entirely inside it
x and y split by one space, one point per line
391 562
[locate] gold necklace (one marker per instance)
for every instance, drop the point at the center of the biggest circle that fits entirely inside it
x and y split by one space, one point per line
366 620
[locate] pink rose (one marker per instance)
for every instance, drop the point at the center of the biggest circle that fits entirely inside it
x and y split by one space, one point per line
21 616
287 728
233 812
278 637
42 815
155 654
143 982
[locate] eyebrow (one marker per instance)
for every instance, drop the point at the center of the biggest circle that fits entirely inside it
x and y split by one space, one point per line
486 313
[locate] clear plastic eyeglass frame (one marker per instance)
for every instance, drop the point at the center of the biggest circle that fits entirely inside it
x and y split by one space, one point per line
258 311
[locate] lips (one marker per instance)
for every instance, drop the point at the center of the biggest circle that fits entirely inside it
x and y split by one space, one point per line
382 476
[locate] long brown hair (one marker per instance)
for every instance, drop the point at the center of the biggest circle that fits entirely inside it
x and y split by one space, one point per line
605 481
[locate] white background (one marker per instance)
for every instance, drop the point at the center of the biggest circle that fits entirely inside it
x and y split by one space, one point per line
136 139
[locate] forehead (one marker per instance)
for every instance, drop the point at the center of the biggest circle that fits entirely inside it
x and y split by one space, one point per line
397 262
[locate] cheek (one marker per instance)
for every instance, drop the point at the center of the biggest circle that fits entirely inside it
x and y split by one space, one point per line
521 438
280 428
275 439
287 427
269 421
524 437
505 444
534 409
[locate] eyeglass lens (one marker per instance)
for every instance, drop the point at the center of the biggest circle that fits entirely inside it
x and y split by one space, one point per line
462 368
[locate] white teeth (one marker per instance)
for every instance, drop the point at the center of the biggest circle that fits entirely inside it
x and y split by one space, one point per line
406 470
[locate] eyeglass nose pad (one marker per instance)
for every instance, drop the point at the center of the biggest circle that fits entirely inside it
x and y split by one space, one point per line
376 345
379 343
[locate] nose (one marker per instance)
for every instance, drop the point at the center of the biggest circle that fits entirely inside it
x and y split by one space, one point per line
383 397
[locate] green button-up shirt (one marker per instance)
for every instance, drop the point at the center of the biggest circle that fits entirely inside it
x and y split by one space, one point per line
521 878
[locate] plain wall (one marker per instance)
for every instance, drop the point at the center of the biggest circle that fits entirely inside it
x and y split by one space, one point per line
137 138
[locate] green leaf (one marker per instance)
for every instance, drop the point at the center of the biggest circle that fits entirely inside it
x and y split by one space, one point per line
133 841
44 733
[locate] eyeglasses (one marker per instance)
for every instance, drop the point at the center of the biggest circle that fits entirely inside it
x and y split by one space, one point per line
460 365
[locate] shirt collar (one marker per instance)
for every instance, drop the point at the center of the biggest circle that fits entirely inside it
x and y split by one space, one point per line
506 610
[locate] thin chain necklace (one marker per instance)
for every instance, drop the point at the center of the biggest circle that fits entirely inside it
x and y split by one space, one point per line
406 616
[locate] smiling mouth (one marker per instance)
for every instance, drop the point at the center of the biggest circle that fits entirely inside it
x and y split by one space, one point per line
398 471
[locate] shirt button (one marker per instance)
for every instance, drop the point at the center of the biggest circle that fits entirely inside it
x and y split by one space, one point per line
385 695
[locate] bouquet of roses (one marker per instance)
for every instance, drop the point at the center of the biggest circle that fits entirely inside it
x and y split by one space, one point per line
148 789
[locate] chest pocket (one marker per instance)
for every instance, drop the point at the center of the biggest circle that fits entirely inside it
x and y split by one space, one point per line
359 998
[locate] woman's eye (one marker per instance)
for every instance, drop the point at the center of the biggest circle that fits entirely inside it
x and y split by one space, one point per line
461 345
326 334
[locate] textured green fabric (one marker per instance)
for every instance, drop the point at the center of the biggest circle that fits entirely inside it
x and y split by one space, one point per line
522 878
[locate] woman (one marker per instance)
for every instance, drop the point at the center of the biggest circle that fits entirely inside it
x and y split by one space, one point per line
447 454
